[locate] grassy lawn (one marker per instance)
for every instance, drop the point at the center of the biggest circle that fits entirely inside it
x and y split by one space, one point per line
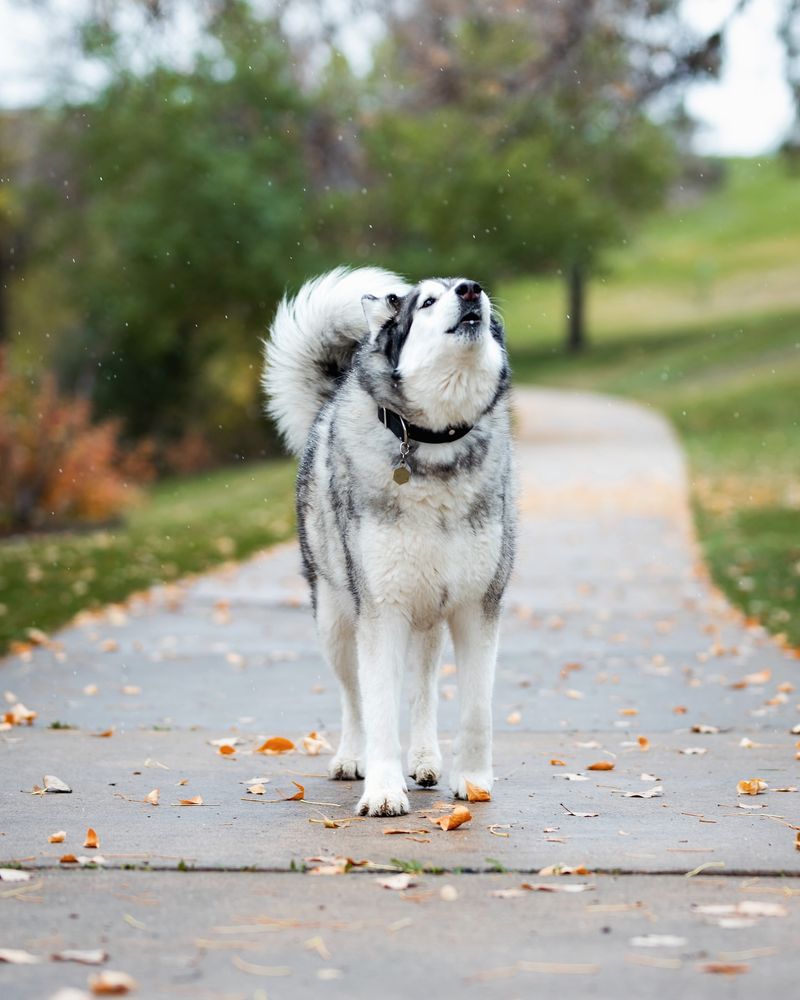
183 526
700 317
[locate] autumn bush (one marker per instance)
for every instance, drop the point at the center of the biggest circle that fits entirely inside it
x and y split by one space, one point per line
57 467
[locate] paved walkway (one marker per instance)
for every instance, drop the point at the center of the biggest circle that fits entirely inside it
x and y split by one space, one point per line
614 648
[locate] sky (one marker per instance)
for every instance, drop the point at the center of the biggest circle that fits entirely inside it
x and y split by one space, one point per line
746 113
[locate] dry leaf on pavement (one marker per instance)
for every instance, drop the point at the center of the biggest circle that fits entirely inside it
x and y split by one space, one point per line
725 968
751 786
16 956
557 886
475 794
111 984
652 793
316 743
399 882
564 870
91 839
14 875
601 765
152 797
19 715
275 745
58 837
196 800
454 820
94 956
53 785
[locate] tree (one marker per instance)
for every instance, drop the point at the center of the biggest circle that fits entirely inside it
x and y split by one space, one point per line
515 137
184 211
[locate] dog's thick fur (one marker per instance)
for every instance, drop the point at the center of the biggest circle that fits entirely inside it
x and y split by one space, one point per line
390 565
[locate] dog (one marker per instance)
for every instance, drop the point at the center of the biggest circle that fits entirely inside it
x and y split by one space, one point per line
396 399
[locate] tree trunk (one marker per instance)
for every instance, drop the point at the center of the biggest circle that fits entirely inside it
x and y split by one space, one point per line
576 316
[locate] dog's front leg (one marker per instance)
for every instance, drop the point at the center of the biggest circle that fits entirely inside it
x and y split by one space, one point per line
424 756
382 646
475 643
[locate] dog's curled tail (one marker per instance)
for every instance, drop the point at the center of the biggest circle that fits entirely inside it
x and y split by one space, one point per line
312 341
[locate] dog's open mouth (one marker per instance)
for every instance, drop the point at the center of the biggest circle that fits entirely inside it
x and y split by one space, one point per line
471 317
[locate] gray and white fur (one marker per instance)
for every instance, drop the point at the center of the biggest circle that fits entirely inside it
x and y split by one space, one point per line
391 565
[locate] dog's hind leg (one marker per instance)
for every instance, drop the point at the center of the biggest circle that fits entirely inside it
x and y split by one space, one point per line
383 641
424 755
338 638
475 640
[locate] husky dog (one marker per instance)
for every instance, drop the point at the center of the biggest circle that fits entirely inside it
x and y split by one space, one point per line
396 399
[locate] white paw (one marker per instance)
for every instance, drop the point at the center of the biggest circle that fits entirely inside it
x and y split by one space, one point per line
391 801
343 768
425 766
479 778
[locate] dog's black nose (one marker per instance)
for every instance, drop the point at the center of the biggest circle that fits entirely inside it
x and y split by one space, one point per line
469 290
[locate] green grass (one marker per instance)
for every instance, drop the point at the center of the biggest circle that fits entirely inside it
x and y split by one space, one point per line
720 356
182 527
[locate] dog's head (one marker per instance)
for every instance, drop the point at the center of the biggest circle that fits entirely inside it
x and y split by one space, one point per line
436 353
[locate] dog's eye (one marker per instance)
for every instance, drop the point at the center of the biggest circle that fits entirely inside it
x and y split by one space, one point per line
393 300
427 302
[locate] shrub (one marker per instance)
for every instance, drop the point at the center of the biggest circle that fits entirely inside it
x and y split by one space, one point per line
57 467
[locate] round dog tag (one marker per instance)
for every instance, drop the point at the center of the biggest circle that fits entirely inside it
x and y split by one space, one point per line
401 475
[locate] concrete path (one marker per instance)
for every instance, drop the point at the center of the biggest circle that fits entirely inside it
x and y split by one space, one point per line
615 648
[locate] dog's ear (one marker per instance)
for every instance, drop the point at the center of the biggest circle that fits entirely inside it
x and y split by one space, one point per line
379 310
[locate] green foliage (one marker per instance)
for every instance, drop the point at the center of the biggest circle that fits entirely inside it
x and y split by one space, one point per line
188 213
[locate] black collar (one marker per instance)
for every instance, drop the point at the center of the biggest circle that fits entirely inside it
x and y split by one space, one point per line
395 423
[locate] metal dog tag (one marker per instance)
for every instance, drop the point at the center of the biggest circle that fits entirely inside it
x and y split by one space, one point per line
401 475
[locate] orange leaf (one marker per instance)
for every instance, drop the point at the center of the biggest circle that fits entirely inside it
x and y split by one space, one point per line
57 838
92 839
751 786
226 750
111 984
628 711
298 795
105 734
555 762
601 765
196 801
68 859
152 797
458 816
726 968
644 743
276 744
680 710
475 794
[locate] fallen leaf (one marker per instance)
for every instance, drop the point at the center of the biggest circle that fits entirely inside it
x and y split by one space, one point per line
197 800
572 777
109 645
751 786
658 941
560 886
151 762
316 743
19 715
694 751
628 711
759 677
318 945
111 984
475 794
226 750
507 893
152 797
57 838
564 870
555 762
225 741
448 893
68 859
94 956
454 820
275 745
514 718
680 710
14 875
707 730
260 970
395 831
16 956
298 796
580 815
644 743
91 689
55 785
651 793
601 765
106 733
131 689
725 968
256 789
398 882
498 829
91 838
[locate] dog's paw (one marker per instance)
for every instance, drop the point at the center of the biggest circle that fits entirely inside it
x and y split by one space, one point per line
346 769
480 779
391 801
425 767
